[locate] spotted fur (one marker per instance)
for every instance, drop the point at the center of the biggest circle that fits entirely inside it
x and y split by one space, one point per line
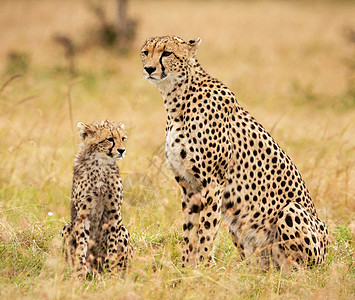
229 166
96 238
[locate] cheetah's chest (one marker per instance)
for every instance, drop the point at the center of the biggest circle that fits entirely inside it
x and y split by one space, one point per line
173 146
178 156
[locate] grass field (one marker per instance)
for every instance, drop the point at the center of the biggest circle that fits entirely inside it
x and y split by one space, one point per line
290 63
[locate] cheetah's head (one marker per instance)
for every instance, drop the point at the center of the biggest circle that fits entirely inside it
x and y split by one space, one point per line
104 140
168 59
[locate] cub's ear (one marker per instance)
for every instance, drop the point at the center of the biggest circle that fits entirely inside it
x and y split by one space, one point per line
194 44
123 126
84 130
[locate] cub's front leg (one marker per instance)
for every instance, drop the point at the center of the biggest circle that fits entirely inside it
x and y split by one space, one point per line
125 249
68 245
81 229
113 231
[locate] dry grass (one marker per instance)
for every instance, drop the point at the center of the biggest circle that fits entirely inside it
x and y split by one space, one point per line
290 66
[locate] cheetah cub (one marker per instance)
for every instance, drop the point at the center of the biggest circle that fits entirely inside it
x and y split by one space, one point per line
96 239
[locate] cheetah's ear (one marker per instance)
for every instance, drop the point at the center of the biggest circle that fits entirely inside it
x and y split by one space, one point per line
83 130
194 44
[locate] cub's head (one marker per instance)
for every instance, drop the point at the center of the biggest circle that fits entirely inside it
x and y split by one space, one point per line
104 140
168 58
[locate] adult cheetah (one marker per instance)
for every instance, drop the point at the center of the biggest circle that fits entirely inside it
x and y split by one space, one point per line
228 165
95 238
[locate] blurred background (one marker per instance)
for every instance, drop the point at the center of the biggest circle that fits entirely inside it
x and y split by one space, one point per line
291 64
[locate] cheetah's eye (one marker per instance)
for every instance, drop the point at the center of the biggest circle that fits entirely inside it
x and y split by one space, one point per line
166 53
124 139
110 139
145 53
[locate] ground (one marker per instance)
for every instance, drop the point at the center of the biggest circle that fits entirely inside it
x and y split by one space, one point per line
291 64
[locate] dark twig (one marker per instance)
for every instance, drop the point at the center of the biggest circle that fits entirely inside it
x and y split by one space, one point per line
25 100
7 82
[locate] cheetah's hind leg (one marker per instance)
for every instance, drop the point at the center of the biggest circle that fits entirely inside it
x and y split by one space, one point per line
301 239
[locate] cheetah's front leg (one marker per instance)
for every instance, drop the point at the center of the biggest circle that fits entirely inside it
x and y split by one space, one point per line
125 249
67 246
114 225
82 238
191 206
210 217
202 215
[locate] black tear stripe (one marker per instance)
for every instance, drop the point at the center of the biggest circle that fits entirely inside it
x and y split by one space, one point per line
162 66
113 145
